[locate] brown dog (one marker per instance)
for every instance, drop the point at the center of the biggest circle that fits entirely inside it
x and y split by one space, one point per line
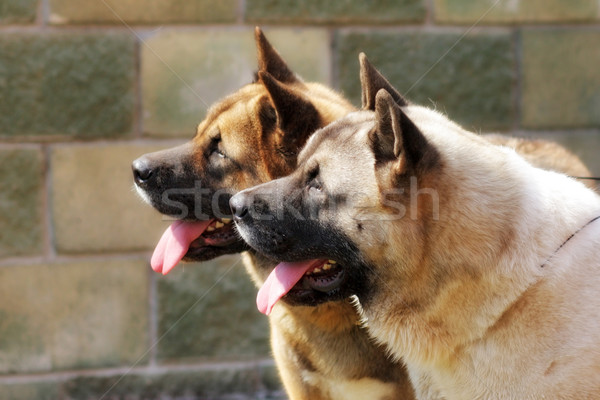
250 137
477 269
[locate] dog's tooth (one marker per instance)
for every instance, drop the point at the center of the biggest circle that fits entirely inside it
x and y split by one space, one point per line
219 225
326 267
210 228
332 262
226 220
316 270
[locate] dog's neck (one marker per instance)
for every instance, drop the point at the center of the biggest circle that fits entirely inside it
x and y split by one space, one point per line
514 224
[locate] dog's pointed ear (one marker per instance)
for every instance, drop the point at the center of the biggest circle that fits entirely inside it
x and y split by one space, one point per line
270 61
297 117
371 81
396 136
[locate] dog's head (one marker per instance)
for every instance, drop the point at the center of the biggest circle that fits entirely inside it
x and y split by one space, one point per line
354 177
249 137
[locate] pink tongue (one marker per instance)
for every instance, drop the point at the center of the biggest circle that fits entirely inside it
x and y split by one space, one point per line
280 281
174 243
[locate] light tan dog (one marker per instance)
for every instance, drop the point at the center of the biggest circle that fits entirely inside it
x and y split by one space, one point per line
477 269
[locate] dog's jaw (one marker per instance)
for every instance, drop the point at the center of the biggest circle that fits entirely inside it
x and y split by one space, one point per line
211 244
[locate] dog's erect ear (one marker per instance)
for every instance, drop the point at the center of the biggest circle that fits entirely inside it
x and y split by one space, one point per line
395 135
297 117
371 81
270 61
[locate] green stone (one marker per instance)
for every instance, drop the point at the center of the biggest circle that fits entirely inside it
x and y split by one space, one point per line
338 12
471 78
561 78
208 310
142 11
64 84
17 11
512 11
21 188
30 391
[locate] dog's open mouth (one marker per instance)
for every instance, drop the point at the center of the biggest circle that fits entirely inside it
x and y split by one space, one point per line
193 240
219 232
298 280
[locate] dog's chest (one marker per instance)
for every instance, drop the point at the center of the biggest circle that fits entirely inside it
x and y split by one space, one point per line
356 389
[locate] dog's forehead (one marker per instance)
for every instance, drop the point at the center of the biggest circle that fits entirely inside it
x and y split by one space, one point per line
224 111
344 137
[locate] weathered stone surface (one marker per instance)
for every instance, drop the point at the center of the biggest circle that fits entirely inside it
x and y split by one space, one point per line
30 391
561 78
337 12
208 310
514 11
471 79
242 381
94 205
73 315
183 73
21 185
142 11
225 383
64 84
17 11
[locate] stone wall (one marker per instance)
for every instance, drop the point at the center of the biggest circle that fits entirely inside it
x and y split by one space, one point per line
86 86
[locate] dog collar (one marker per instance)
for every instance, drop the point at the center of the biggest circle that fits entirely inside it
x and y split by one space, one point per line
569 238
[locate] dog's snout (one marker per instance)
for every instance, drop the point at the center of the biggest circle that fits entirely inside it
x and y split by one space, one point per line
143 170
239 206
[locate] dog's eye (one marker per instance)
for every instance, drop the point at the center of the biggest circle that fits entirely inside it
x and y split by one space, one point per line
315 184
216 150
312 180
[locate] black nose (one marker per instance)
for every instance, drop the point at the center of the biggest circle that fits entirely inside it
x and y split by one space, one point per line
142 170
239 206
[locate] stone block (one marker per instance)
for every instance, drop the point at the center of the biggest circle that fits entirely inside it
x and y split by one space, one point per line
95 207
335 12
561 78
142 11
17 11
71 315
470 79
208 310
21 187
514 11
183 73
64 84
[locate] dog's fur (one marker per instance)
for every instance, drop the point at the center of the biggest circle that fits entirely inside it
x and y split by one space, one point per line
250 137
477 269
